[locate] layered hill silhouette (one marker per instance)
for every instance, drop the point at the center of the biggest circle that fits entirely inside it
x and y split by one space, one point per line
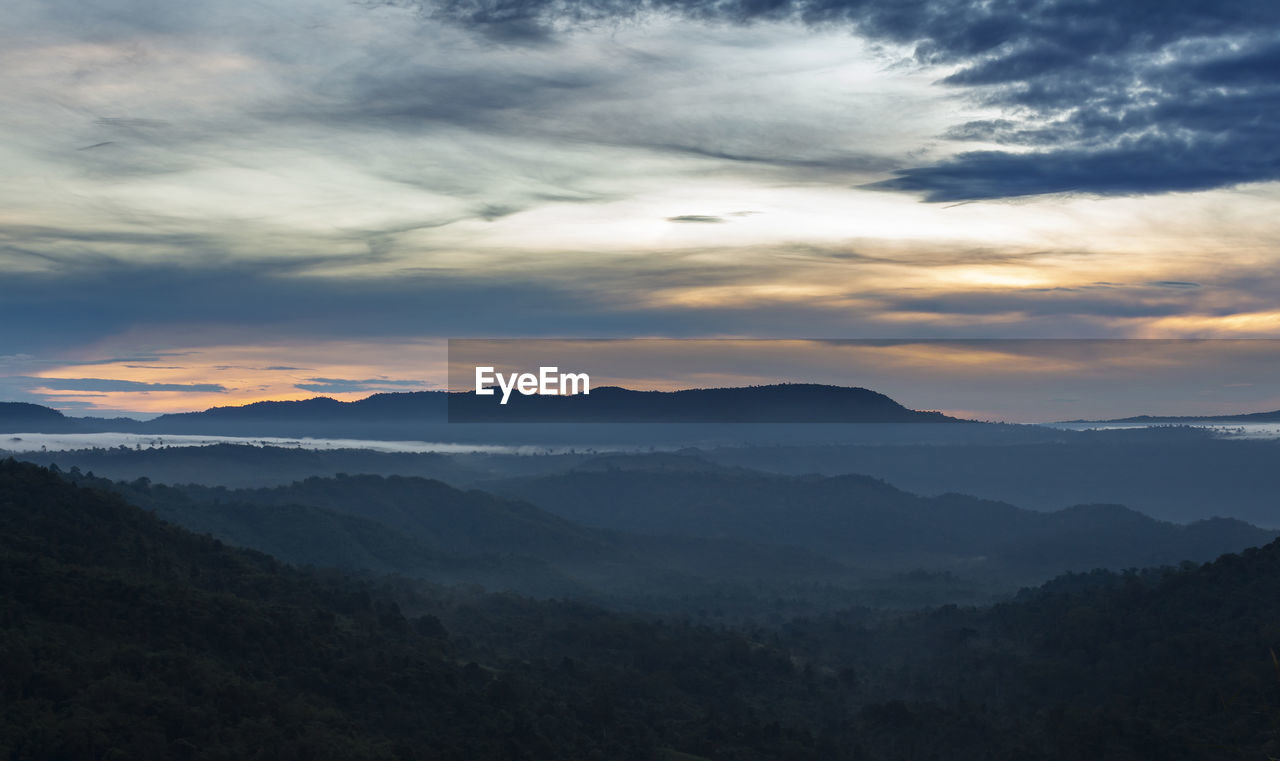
1178 473
395 414
645 525
866 521
426 529
126 637
1247 417
34 418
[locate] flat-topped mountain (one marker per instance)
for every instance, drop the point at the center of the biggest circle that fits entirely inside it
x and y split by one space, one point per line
399 415
779 403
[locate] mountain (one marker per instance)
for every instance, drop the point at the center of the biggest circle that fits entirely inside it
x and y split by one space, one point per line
19 412
780 403
378 409
1178 474
426 529
249 465
22 417
444 518
1248 417
864 521
126 637
421 415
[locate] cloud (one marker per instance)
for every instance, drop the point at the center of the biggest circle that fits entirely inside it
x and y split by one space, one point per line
1117 98
326 171
77 393
706 292
109 385
696 218
348 386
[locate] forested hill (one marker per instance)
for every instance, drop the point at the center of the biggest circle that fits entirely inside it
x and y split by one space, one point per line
1162 664
863 518
124 637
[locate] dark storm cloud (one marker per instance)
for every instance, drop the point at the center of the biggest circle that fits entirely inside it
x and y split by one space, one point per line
1117 98
48 311
1139 166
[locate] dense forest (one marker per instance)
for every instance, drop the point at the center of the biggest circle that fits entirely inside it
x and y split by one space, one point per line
675 533
126 637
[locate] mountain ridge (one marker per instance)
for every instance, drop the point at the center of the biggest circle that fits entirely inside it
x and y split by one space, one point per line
391 413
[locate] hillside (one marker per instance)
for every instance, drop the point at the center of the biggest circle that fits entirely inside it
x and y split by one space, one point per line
1178 474
865 521
1160 664
426 529
125 637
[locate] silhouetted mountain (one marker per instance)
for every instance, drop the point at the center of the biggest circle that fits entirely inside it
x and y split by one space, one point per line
864 521
1248 417
22 417
427 414
18 412
781 403
427 406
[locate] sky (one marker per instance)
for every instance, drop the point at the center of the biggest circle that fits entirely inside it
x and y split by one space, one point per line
215 203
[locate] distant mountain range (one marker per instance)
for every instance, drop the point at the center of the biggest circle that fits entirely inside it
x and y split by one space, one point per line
865 521
1249 417
395 414
128 637
647 524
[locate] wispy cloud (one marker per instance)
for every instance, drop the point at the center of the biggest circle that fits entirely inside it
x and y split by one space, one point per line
323 174
367 385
